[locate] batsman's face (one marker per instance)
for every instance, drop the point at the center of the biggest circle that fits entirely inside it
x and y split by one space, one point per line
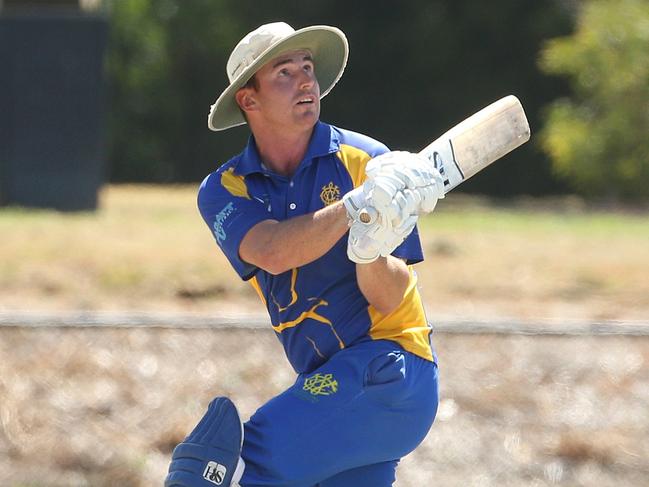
288 92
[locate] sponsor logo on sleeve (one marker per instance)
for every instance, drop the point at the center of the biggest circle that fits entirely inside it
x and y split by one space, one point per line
219 219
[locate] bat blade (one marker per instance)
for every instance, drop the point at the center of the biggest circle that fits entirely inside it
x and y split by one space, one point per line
481 139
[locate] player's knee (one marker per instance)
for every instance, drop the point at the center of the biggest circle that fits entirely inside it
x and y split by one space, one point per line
270 455
210 455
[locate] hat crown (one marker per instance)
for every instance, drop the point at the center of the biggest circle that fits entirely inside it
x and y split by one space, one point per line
328 46
254 44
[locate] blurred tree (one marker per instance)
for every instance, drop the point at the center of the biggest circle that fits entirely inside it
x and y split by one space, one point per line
599 138
419 67
141 100
416 68
166 65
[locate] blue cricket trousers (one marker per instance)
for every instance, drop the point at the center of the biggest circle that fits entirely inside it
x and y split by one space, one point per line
346 424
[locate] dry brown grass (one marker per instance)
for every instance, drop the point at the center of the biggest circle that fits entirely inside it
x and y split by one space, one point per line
148 249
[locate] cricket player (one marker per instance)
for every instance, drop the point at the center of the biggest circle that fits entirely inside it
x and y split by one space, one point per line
321 221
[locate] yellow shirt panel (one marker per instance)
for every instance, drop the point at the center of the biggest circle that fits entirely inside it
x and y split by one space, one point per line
407 325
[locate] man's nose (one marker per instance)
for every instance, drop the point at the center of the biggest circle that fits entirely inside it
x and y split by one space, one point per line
307 80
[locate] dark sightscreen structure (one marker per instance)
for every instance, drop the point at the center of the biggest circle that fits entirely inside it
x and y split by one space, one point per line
51 108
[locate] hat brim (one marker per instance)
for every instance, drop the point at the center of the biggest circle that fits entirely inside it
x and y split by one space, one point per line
329 48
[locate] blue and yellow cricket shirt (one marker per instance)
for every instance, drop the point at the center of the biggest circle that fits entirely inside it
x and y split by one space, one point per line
316 309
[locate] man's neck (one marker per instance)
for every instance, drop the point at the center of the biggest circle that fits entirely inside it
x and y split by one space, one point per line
282 152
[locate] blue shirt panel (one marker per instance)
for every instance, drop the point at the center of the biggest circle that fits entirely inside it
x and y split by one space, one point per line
318 308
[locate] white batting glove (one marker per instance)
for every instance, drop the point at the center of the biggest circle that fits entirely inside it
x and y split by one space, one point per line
402 192
362 248
358 204
412 175
366 242
355 202
363 245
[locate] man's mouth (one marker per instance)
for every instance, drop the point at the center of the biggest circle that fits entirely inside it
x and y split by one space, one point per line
306 100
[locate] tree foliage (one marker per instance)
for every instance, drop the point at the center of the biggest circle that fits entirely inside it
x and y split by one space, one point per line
416 68
165 63
598 139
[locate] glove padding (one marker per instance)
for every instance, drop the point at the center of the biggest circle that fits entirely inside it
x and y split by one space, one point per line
399 184
368 241
384 210
357 205
402 184
372 234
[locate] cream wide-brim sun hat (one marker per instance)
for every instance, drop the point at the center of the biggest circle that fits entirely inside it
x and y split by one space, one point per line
328 46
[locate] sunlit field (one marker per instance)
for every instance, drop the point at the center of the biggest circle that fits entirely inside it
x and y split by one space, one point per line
147 248
103 407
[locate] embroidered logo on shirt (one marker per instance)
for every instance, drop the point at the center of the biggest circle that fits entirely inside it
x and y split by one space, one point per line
330 194
321 385
220 217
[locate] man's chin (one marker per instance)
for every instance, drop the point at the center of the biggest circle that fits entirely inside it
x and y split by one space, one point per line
308 117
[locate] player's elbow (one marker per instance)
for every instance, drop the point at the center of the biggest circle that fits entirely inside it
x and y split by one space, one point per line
274 266
384 283
259 247
269 260
383 299
387 305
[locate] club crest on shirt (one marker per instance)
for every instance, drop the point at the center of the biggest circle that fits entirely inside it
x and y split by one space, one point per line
330 194
321 385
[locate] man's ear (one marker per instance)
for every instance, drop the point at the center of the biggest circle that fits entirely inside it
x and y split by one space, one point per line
246 99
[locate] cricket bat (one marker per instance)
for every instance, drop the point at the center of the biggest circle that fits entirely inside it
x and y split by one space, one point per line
472 145
481 139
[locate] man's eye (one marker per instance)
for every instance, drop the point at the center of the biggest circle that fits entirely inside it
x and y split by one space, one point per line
284 72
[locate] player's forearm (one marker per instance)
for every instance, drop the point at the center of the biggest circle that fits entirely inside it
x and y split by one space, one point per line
383 282
278 247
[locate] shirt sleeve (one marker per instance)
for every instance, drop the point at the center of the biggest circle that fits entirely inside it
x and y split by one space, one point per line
229 217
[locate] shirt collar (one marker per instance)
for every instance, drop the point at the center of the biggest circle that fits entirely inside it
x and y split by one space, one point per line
324 141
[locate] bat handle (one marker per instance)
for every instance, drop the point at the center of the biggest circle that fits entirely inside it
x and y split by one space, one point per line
368 215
